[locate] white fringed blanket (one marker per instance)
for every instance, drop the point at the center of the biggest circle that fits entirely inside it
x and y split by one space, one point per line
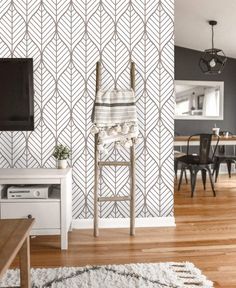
115 117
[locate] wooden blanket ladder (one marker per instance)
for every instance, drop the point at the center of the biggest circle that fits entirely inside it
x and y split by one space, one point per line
99 164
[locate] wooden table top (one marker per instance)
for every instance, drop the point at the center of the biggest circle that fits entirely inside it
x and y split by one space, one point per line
13 233
185 138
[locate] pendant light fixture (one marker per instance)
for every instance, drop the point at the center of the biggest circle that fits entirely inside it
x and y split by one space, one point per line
212 60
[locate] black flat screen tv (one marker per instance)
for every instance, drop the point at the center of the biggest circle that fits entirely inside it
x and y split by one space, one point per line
16 94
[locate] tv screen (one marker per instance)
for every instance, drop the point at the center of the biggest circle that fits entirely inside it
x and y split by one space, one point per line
16 94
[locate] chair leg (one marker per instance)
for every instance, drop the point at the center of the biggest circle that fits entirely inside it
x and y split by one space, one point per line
211 180
217 169
214 170
176 167
229 168
193 180
185 175
214 167
204 178
180 178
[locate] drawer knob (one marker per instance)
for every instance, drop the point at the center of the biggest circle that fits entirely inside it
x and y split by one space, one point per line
29 216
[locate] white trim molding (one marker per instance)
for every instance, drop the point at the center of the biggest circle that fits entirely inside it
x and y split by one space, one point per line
124 222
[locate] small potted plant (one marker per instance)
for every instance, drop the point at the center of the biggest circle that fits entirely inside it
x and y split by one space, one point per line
61 153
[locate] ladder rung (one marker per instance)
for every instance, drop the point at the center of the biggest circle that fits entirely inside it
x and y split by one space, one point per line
113 163
114 198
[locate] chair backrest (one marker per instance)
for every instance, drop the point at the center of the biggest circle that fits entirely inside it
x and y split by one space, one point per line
204 146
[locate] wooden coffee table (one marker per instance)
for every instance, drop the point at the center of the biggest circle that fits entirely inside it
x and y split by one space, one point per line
14 238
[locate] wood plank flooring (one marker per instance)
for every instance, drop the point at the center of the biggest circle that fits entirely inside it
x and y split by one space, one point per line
205 235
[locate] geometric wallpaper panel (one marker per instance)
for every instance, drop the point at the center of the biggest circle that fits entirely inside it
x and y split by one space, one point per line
66 38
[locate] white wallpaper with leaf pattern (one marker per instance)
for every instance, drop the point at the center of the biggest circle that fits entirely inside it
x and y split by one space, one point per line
66 38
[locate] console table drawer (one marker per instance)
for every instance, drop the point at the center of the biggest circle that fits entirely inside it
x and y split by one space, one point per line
47 215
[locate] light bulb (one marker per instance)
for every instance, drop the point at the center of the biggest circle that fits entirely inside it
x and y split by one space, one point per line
212 63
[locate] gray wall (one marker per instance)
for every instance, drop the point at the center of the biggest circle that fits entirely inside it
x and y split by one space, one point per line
186 68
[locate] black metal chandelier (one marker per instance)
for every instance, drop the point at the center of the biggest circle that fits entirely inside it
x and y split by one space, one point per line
212 60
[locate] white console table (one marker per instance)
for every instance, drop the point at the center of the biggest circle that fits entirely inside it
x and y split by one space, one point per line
53 216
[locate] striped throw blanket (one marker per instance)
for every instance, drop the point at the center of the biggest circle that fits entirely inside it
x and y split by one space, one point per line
114 107
114 117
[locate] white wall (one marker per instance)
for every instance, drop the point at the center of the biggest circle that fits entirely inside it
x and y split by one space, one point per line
65 39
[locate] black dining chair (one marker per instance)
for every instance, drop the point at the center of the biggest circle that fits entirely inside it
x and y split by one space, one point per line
223 157
200 161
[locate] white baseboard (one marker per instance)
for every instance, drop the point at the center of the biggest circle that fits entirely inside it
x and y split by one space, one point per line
124 222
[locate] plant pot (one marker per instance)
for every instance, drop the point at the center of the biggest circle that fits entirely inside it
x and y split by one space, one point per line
62 164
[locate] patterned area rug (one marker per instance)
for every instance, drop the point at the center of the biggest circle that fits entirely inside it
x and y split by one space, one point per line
159 275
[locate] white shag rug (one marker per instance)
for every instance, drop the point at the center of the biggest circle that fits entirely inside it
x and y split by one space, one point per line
155 275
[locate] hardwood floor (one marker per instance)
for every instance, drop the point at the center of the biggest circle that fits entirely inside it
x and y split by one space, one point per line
205 235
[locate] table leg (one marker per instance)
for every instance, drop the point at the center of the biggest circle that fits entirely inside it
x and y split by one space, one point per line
25 264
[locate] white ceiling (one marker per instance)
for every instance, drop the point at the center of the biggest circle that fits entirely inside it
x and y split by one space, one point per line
193 31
